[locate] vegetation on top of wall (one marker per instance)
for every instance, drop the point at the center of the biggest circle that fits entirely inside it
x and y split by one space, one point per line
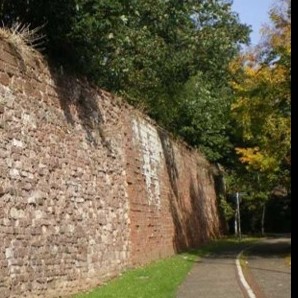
168 57
21 38
180 62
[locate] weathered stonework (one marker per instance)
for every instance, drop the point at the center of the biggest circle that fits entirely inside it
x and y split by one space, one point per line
88 186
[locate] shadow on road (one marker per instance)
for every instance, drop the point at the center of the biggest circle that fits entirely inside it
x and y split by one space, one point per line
277 248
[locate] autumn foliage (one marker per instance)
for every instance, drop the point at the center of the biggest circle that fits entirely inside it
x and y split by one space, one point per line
262 111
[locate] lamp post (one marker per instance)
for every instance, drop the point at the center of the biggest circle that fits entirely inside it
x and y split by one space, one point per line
238 215
237 223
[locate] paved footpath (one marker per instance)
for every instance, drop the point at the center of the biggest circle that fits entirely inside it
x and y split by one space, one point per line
214 276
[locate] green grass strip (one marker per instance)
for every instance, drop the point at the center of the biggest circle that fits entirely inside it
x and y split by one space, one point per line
159 279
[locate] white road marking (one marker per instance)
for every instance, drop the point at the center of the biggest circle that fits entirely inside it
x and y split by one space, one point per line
248 289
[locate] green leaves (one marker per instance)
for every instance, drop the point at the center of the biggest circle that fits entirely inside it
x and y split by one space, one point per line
169 57
202 116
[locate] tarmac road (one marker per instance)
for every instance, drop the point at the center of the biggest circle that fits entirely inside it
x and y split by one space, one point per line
268 273
269 269
214 276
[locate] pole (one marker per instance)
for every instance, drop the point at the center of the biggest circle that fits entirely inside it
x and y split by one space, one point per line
235 224
263 220
238 213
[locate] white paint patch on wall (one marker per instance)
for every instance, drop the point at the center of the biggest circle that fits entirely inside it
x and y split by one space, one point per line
146 136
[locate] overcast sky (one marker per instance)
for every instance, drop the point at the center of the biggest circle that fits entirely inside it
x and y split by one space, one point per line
254 13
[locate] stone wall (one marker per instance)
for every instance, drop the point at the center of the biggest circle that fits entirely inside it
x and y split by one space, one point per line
171 195
88 186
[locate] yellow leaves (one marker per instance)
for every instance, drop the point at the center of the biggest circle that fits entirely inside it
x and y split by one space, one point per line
238 104
257 160
258 87
249 155
282 41
280 35
261 109
278 130
274 145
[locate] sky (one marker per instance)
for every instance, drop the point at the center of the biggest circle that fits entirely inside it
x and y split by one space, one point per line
254 13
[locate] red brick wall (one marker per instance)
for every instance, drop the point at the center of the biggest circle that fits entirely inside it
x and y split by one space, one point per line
88 186
182 212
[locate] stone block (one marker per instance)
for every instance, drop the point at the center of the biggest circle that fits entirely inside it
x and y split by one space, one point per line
16 213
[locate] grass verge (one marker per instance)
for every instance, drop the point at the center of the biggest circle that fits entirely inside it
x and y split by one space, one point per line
160 279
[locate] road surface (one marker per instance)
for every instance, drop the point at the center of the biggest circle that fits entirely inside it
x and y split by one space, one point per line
268 272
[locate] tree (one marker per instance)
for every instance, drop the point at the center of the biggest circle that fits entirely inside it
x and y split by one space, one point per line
168 57
262 111
202 117
136 46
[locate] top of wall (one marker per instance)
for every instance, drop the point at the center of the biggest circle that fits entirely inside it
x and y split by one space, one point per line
19 60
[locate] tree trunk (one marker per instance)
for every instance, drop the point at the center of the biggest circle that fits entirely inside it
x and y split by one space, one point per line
263 220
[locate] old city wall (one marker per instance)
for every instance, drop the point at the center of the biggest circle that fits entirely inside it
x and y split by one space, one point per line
88 186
